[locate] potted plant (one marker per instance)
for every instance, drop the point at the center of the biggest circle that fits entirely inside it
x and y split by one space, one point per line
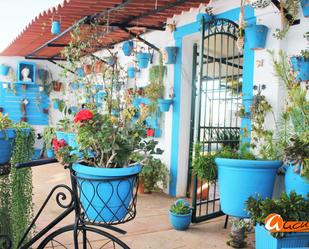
305 7
7 136
143 59
4 69
290 207
48 136
80 72
300 65
98 66
238 233
87 68
169 55
63 128
127 47
180 215
256 36
131 72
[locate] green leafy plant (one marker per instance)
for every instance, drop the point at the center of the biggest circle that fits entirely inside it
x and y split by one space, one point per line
180 207
229 138
64 124
48 136
5 122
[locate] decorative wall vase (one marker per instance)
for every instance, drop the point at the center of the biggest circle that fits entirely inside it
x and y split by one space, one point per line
127 48
204 16
256 36
294 182
142 59
56 29
131 72
305 7
57 86
87 69
170 54
301 65
98 66
164 104
4 70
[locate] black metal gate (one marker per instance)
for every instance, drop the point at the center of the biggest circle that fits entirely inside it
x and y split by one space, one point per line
216 97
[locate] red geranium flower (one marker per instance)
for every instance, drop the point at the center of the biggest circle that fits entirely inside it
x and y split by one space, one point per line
58 144
83 115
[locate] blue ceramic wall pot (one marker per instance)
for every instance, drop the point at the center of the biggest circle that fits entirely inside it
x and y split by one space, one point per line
171 54
180 222
4 70
301 65
50 153
55 29
240 179
305 7
294 182
142 59
111 61
6 145
80 72
55 104
62 135
256 36
127 48
131 72
204 16
164 104
103 196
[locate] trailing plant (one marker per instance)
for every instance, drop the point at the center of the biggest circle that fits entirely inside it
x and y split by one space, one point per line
48 136
180 207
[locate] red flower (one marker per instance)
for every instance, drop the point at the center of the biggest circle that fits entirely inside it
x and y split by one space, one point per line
58 144
83 115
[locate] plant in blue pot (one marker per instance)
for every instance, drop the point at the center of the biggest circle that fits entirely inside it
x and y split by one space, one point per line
143 59
131 72
7 135
305 7
256 35
180 215
127 47
49 133
300 64
64 127
4 69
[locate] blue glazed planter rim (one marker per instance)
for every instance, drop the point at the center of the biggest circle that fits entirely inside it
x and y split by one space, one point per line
165 101
242 163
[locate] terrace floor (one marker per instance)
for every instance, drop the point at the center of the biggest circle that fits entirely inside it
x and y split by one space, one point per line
150 228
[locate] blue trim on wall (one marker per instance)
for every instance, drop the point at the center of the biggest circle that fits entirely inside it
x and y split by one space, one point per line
248 63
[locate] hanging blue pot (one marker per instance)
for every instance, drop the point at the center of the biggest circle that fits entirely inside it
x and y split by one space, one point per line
256 36
204 16
240 179
171 54
180 222
50 153
80 72
305 7
164 104
111 61
55 29
56 104
131 72
136 102
104 197
4 70
72 140
6 145
301 65
62 135
74 86
142 59
127 48
294 182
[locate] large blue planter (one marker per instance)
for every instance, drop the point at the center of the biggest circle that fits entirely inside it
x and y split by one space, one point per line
164 104
294 182
301 65
6 145
171 54
204 16
103 196
256 36
4 70
180 222
50 153
62 135
240 179
72 140
142 59
264 240
305 7
127 47
131 72
55 29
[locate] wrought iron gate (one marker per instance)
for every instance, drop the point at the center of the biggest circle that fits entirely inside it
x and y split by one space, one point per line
216 97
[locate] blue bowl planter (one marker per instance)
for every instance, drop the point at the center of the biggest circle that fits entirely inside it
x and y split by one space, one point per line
305 7
62 135
171 54
294 182
256 36
142 59
55 29
50 153
6 145
204 16
164 104
103 196
301 65
131 72
4 70
180 222
240 179
127 48
72 140
263 240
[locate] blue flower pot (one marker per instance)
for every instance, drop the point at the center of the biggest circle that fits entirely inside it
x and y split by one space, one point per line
80 72
204 16
142 59
55 29
164 104
62 135
74 86
50 153
37 154
55 104
151 122
6 145
240 179
107 200
301 65
305 7
131 72
136 102
4 70
127 48
294 182
256 36
180 222
264 240
171 54
72 140
111 61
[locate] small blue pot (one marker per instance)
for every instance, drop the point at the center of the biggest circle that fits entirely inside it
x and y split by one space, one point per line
204 16
294 182
164 104
80 72
55 29
240 179
256 36
4 70
50 153
151 122
74 86
72 140
171 53
62 135
55 104
37 154
305 7
264 240
111 61
127 48
131 72
136 102
105 201
180 222
301 65
6 145
142 59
